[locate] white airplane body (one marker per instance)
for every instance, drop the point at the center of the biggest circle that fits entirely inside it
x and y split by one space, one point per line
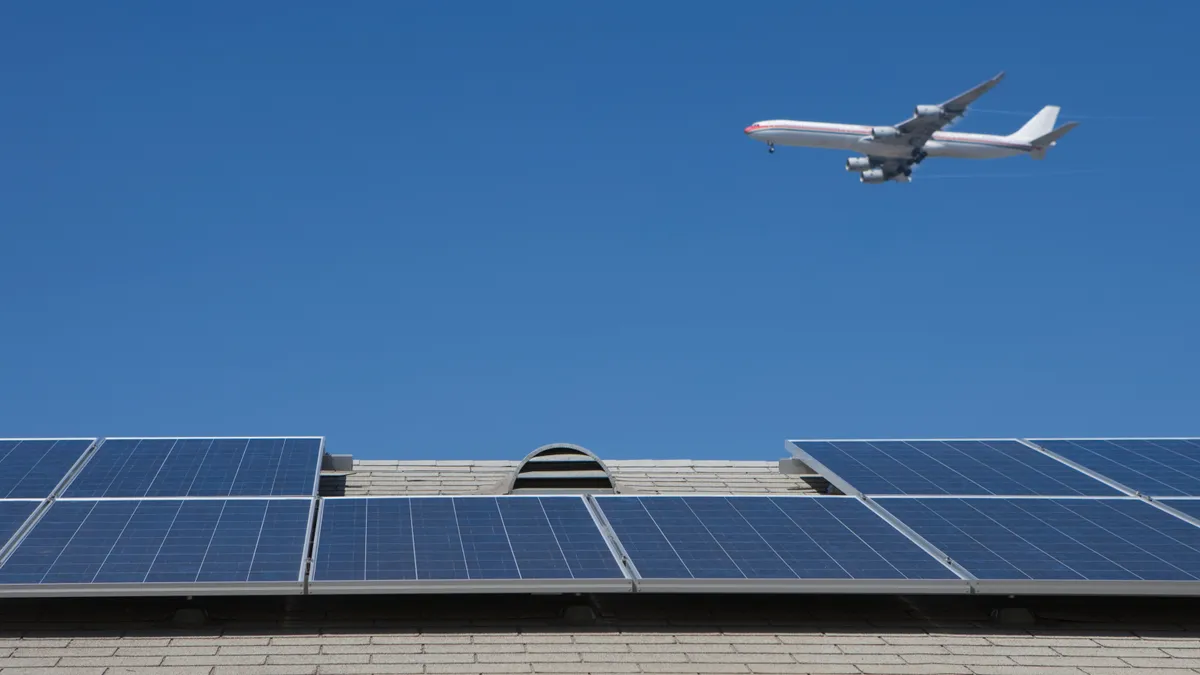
891 152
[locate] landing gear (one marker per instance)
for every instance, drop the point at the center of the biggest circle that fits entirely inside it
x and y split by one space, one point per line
770 147
919 155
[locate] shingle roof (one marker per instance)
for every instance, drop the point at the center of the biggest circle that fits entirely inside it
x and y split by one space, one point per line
637 476
636 633
656 635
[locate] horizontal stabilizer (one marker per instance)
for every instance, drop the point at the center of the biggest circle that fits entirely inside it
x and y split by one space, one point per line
1049 139
1043 143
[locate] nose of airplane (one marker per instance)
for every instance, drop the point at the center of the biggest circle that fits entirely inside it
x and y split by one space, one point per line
750 129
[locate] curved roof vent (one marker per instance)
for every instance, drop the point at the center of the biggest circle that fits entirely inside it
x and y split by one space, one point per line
561 467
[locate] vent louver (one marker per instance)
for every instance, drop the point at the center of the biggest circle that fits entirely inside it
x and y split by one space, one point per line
561 468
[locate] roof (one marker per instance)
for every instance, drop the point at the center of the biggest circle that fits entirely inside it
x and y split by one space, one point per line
626 633
527 634
630 476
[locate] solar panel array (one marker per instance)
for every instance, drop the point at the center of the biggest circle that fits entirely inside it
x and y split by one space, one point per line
1062 515
186 516
176 516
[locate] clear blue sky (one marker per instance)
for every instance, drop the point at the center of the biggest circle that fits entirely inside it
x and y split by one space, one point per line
461 230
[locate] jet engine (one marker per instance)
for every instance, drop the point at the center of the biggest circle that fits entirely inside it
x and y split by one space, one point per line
929 111
884 132
858 163
873 176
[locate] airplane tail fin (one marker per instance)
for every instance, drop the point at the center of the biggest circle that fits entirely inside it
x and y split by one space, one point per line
1044 142
1039 125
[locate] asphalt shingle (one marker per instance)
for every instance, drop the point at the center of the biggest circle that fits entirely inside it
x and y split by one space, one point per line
424 477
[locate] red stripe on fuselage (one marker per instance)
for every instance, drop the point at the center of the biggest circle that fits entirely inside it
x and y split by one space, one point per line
976 139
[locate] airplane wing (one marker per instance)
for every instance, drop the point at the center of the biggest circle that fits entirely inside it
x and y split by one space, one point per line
918 129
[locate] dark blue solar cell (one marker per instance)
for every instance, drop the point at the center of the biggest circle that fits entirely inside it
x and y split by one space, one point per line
32 469
1154 467
163 541
12 516
764 538
463 538
1000 467
1056 539
205 467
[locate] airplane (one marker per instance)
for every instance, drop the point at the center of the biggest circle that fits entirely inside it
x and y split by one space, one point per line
892 152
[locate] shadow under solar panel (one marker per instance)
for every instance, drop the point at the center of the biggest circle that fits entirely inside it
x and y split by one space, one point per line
162 547
1118 546
469 544
200 467
1004 467
799 544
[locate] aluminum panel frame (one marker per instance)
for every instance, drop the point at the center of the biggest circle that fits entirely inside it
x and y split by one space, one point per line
809 586
469 586
1092 588
274 588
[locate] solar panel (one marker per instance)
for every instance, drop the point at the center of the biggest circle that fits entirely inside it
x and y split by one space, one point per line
473 544
200 467
13 515
770 544
1157 467
31 469
952 467
1104 546
162 547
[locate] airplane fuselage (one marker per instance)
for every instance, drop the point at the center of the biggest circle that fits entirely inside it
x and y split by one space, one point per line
857 138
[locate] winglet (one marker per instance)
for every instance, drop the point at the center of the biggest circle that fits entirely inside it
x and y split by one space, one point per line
959 103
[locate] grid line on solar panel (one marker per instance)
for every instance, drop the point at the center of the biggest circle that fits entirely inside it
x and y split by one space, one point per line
476 543
796 543
939 467
1062 545
200 467
31 468
161 546
1157 467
